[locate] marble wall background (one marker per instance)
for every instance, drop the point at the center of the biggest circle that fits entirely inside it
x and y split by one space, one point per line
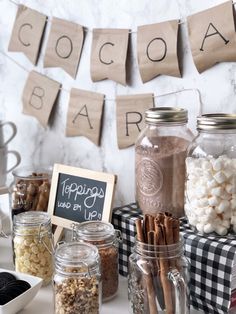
39 146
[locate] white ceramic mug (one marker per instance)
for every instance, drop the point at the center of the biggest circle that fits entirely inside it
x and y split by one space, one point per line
4 170
4 124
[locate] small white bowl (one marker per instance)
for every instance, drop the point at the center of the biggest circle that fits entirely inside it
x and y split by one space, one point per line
23 299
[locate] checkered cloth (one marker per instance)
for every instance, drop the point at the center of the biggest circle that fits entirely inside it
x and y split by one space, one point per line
211 266
123 219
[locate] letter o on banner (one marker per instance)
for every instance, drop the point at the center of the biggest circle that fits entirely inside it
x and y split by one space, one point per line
64 47
149 48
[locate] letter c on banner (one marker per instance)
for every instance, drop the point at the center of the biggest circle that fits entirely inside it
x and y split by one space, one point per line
66 55
165 49
100 53
26 44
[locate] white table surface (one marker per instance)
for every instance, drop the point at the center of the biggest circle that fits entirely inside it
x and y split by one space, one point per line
43 302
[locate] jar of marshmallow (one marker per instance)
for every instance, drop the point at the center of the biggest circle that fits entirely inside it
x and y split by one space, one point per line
210 190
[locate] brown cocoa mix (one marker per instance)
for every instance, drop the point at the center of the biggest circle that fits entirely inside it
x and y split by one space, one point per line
160 175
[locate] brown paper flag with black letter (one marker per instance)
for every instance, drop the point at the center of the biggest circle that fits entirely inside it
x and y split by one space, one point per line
108 55
157 50
64 46
212 36
27 32
130 112
39 96
84 115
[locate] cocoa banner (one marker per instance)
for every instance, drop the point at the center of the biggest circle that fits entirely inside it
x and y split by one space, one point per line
27 32
39 96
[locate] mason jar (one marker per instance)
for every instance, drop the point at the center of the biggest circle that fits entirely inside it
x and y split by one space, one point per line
30 190
106 238
33 244
210 192
77 279
158 279
160 153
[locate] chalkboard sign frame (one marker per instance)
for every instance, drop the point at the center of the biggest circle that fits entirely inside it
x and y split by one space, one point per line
109 179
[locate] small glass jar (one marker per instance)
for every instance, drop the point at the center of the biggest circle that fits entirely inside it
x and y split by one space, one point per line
30 191
160 152
105 237
158 279
77 279
33 245
210 192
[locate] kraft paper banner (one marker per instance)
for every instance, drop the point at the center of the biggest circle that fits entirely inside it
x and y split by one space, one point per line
130 112
212 36
108 55
27 33
84 115
157 50
39 96
64 46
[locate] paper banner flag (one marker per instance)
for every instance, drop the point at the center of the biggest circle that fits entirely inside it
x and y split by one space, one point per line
39 96
212 36
27 33
84 115
130 112
157 50
64 46
108 55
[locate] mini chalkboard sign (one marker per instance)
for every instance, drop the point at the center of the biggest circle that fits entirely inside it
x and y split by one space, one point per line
79 195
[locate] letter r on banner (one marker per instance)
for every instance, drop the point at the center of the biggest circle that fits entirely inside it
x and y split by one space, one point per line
27 33
39 96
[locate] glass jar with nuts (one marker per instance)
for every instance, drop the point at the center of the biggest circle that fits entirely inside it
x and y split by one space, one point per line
105 237
77 279
33 245
30 191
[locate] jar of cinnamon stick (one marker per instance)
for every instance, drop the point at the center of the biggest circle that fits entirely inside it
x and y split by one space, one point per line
106 239
158 277
160 153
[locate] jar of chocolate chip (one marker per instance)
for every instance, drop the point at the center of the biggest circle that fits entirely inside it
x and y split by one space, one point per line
106 238
30 191
33 244
77 279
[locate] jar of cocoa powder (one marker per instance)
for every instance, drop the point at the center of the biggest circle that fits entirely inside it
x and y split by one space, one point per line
160 153
106 239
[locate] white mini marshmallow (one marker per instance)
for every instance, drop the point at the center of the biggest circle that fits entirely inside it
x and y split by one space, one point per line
229 188
228 173
223 206
212 184
226 223
214 201
200 227
217 191
217 164
203 202
220 177
206 165
208 228
221 230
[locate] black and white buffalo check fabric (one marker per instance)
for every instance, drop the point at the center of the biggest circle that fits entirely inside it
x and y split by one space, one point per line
212 263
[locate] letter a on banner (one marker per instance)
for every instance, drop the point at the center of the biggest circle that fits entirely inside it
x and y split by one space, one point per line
130 112
157 50
64 46
27 33
84 115
109 53
212 36
39 96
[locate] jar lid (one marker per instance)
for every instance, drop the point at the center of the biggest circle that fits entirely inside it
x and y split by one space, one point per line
33 173
216 121
166 114
95 230
74 254
32 219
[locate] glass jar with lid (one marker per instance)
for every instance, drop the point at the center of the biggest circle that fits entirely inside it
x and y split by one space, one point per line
160 153
106 238
210 192
33 245
30 190
77 279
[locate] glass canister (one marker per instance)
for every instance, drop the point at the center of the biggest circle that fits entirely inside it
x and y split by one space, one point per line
160 153
158 279
77 287
30 190
33 244
106 239
210 192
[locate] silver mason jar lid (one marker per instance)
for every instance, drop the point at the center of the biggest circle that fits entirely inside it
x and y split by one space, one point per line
166 114
216 121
